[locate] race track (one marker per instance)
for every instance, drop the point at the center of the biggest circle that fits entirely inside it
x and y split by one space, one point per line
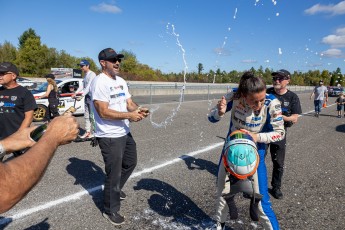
173 186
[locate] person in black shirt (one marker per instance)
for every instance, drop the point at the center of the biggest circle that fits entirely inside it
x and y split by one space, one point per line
291 108
17 104
52 95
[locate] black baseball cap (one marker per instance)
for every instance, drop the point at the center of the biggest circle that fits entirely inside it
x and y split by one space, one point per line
282 72
50 75
9 67
109 54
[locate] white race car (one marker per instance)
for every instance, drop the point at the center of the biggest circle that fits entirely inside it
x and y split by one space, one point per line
66 87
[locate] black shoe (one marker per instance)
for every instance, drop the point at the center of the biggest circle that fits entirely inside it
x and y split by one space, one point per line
123 195
114 218
276 193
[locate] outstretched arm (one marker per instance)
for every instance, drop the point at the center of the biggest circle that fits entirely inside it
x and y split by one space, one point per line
19 175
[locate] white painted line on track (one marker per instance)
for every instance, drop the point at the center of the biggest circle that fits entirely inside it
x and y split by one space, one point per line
78 195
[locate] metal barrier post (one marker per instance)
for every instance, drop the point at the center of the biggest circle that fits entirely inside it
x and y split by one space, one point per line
208 92
150 94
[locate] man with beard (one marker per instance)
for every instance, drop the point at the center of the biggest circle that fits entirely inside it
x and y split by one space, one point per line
291 108
113 109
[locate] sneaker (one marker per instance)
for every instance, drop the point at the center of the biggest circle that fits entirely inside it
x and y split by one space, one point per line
218 226
339 116
123 195
87 135
114 218
276 193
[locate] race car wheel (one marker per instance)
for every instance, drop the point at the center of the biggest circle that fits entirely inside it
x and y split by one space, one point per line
40 112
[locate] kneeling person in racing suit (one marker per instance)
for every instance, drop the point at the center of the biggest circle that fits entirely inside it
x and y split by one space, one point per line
261 115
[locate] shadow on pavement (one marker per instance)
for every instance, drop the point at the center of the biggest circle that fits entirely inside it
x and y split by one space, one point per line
42 225
340 128
89 175
200 164
169 202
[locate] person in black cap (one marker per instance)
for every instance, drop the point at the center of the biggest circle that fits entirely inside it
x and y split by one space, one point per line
319 93
17 104
113 109
53 99
88 78
291 108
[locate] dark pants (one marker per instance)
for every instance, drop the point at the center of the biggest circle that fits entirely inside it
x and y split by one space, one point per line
120 159
277 150
53 110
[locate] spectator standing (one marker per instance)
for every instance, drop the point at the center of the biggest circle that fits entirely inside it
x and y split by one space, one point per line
53 99
113 108
260 114
88 78
291 108
340 104
319 93
17 104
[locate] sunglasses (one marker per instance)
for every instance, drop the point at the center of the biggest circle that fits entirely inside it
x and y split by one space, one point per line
279 78
4 73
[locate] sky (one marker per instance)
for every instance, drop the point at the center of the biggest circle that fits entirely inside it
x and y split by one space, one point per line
177 35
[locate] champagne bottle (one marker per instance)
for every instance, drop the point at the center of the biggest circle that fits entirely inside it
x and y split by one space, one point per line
36 134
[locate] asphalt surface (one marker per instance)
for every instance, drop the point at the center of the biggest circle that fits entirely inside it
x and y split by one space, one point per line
173 185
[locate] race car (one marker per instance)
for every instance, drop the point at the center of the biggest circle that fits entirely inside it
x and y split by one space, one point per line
66 87
334 91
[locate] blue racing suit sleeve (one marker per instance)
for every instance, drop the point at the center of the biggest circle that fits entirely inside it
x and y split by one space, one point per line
213 116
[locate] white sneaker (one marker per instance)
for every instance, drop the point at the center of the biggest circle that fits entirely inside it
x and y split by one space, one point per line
87 135
218 226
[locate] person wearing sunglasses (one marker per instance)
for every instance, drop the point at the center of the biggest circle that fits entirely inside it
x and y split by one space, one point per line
113 109
17 104
291 108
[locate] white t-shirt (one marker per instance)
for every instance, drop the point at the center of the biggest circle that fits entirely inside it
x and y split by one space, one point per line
115 92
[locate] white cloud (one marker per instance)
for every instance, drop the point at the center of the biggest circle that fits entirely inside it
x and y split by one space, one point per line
106 8
249 61
332 53
331 9
336 40
341 31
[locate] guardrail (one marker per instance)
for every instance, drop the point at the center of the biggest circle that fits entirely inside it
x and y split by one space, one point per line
204 91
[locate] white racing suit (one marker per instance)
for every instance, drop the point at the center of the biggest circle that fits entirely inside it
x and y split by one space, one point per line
269 125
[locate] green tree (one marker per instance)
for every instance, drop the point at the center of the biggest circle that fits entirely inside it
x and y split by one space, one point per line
30 33
31 57
8 53
200 68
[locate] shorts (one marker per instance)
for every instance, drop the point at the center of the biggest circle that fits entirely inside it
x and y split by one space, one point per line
340 107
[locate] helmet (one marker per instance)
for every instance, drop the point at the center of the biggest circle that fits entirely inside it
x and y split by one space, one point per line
240 155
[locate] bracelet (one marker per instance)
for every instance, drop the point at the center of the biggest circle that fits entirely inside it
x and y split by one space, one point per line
2 151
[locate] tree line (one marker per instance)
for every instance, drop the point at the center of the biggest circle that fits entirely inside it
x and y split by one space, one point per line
35 59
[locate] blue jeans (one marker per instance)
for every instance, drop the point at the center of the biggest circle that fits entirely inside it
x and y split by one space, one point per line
318 105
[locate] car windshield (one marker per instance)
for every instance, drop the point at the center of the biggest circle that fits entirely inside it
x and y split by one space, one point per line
43 86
